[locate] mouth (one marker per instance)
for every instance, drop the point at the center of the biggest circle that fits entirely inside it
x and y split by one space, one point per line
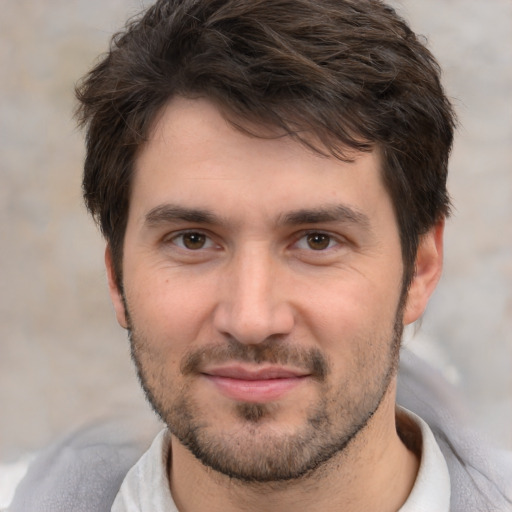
256 385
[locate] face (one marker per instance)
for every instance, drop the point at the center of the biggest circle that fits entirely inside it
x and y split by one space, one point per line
262 285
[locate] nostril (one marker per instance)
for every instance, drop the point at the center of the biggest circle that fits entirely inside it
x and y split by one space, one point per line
253 326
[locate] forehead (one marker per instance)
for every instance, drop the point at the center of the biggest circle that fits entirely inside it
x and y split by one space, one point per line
195 156
183 123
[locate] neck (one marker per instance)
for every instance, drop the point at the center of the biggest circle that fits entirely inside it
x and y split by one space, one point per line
374 472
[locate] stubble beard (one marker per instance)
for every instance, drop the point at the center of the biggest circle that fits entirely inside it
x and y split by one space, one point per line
255 450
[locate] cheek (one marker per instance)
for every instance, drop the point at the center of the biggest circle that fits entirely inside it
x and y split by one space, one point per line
168 312
347 315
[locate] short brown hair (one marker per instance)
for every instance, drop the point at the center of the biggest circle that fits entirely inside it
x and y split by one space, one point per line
349 71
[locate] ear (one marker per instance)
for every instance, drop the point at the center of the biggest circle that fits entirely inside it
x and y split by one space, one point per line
115 292
428 269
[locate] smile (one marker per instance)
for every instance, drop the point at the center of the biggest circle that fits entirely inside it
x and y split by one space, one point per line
257 386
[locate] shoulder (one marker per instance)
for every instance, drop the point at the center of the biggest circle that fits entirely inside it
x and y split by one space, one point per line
480 475
83 471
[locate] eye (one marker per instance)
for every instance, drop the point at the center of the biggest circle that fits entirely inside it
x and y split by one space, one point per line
193 241
316 241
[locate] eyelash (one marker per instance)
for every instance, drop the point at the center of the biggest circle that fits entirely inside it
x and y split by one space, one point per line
176 236
332 240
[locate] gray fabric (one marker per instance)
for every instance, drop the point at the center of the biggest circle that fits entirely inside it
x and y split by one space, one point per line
481 477
84 472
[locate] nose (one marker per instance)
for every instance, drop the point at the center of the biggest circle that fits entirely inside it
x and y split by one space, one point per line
253 305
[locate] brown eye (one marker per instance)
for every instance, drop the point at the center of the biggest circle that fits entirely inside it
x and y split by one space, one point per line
193 241
318 241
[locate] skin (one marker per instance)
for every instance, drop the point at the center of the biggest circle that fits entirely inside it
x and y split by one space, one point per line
261 286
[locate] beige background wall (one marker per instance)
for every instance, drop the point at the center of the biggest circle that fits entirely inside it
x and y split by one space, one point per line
63 359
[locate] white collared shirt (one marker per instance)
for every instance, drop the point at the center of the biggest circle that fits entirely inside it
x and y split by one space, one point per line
146 486
431 491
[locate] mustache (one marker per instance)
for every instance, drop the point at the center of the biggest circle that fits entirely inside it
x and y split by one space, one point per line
270 351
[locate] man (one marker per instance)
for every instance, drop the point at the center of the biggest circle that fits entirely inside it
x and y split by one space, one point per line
270 177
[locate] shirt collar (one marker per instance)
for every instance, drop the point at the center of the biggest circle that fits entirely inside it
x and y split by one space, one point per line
431 491
146 486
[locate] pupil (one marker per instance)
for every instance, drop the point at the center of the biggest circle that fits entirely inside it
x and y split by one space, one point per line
194 240
318 241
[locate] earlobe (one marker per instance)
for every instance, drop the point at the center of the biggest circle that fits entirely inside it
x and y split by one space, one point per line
115 292
428 269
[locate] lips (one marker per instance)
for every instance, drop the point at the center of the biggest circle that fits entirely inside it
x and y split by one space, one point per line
257 385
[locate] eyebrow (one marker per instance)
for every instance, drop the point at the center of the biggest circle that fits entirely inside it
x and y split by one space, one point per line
329 213
168 213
